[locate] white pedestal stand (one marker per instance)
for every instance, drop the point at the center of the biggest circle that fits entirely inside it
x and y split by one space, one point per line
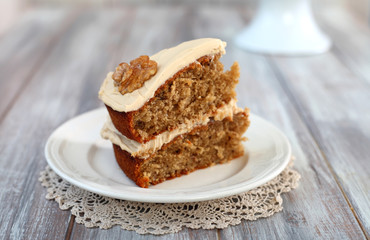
284 27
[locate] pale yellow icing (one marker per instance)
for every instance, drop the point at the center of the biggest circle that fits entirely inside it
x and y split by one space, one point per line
144 150
169 61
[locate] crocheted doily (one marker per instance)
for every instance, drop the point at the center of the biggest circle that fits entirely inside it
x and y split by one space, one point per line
94 210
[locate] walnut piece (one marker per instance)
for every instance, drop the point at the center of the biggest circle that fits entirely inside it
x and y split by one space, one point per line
128 78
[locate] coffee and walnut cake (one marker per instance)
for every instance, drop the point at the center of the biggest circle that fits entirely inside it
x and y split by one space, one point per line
174 112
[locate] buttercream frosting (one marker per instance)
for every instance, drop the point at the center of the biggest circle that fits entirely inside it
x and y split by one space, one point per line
146 149
169 62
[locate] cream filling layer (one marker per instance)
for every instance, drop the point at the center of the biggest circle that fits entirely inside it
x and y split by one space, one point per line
146 149
169 61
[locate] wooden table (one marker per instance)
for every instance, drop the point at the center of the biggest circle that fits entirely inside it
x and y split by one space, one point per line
53 60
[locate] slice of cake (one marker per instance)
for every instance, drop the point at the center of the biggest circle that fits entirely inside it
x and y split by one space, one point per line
174 112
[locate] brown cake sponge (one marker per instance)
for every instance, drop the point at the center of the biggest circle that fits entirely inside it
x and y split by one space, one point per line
197 90
217 142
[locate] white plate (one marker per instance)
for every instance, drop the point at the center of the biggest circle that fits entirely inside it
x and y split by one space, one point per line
77 153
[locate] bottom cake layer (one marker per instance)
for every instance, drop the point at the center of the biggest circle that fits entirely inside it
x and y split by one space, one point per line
218 142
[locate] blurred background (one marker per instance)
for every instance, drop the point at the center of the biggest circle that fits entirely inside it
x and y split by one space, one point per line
11 10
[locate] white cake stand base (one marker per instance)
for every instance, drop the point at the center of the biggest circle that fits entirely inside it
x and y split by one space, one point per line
284 27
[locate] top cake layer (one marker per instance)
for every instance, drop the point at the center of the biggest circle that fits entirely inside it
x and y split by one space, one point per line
169 61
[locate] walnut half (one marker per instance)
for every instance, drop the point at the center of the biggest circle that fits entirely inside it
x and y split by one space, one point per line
128 78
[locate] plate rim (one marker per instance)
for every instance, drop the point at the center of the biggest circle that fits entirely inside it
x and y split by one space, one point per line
220 193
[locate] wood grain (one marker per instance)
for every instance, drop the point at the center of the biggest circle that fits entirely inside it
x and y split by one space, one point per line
48 100
258 81
23 206
351 37
25 47
319 102
329 106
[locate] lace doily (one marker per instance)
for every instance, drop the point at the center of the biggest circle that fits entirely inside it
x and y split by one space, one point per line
94 210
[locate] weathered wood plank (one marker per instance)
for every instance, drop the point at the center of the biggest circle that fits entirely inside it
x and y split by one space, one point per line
333 103
351 35
52 96
22 51
80 232
24 47
307 210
